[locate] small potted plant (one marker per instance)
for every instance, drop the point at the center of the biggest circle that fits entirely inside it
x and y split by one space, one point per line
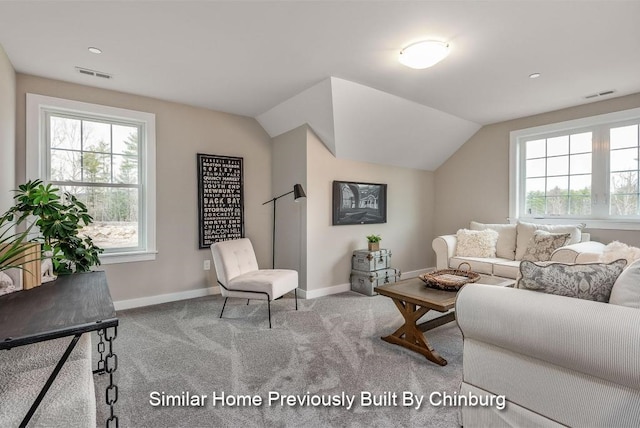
374 242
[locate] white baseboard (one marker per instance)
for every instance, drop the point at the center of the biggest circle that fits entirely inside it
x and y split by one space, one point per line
164 298
192 294
326 291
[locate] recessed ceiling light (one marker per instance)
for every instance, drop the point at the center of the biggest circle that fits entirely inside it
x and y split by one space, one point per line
95 50
424 54
534 75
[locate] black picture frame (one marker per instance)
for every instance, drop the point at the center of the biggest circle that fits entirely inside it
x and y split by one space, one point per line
220 198
359 203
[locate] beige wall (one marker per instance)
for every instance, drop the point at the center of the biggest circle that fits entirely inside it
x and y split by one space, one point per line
407 233
182 131
7 131
289 166
473 184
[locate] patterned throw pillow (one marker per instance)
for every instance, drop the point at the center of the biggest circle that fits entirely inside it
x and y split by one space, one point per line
543 244
592 281
476 243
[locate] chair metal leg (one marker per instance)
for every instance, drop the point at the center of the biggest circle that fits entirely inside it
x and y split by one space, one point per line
295 291
223 305
247 302
269 309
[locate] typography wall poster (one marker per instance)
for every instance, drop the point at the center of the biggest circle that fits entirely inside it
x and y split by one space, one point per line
220 198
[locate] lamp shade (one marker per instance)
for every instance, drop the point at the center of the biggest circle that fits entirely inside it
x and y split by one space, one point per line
424 54
298 192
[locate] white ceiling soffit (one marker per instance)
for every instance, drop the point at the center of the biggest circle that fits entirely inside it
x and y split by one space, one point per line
361 123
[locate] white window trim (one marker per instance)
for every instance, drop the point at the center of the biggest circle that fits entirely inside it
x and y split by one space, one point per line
515 168
36 160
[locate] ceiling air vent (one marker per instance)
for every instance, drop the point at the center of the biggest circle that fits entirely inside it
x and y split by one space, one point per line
94 73
600 94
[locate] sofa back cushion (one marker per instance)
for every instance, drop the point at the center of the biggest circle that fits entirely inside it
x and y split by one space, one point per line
506 244
626 290
525 232
592 281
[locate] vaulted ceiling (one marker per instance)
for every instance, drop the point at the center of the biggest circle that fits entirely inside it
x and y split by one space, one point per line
334 64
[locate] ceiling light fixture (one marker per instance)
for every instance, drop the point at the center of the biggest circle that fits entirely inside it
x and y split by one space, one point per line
534 75
424 54
95 50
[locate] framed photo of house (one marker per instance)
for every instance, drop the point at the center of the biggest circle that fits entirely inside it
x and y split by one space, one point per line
359 203
220 199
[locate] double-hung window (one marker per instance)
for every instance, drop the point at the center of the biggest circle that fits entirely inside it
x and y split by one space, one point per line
585 170
105 156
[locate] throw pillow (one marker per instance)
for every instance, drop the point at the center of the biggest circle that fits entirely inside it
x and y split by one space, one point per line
617 250
626 290
525 232
592 281
506 245
543 244
476 243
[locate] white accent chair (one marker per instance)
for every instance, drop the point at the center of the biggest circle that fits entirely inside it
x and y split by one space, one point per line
239 276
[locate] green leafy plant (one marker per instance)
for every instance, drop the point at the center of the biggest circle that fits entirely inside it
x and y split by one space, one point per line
374 238
59 220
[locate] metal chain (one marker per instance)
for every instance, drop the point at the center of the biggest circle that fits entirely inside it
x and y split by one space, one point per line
100 369
110 366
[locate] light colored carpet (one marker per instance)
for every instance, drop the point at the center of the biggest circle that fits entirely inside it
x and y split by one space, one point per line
330 346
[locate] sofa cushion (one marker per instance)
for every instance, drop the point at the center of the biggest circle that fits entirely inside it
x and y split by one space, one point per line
543 244
478 264
506 244
592 281
476 243
525 232
626 290
507 269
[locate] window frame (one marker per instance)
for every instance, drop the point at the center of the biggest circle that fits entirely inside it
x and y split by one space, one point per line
38 106
599 125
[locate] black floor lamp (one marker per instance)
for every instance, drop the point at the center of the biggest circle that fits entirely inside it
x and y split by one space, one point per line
298 192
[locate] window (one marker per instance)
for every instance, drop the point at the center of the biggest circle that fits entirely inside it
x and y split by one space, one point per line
105 156
585 169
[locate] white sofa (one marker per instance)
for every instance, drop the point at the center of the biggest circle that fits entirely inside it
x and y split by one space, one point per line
559 361
512 243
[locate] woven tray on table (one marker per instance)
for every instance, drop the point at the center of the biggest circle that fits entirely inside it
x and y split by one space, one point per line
450 279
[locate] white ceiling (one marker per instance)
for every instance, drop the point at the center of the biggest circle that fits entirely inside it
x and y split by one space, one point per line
250 57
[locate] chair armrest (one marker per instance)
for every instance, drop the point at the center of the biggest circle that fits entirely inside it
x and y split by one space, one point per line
445 248
594 338
582 252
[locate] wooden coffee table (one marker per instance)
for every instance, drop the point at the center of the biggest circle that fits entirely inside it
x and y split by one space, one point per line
414 299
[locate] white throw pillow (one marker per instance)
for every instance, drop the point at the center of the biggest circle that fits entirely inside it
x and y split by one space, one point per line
626 290
525 232
506 245
617 250
476 243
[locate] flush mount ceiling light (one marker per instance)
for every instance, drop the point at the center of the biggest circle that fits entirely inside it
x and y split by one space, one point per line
95 50
424 54
534 75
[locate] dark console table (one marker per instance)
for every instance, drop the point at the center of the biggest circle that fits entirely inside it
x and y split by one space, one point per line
69 306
